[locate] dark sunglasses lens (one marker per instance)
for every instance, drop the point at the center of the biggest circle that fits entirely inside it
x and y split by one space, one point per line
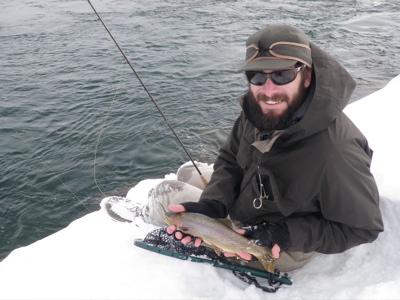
256 78
278 77
283 77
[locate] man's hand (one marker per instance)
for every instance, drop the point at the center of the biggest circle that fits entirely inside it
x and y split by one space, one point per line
178 234
273 235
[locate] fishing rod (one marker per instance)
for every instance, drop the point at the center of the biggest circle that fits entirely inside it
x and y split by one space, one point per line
149 94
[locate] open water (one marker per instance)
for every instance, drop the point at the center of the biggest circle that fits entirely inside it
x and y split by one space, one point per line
59 72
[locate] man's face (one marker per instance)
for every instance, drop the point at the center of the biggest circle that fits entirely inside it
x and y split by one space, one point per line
270 106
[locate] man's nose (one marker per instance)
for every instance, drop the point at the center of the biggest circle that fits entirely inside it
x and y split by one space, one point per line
269 88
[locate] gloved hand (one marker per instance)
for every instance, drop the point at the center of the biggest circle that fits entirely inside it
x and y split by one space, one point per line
269 234
273 235
210 208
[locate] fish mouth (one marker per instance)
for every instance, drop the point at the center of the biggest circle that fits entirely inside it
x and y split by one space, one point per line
167 215
172 218
167 218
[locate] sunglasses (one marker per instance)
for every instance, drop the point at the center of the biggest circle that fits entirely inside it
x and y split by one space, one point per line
280 77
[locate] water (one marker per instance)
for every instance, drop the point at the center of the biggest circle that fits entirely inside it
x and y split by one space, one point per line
59 72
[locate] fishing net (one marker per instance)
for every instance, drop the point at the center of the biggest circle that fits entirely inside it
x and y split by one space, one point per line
162 240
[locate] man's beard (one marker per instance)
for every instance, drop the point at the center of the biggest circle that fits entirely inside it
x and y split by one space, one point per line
271 120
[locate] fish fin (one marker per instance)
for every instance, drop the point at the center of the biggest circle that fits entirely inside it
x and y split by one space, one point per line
220 251
240 258
217 250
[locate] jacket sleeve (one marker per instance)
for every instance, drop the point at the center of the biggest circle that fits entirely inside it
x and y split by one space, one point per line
225 181
349 205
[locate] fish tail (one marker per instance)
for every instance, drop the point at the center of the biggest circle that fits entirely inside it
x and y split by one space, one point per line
268 262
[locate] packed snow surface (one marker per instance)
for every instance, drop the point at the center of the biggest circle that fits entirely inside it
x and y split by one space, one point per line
94 257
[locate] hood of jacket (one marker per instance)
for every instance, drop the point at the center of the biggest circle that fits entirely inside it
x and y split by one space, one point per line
330 92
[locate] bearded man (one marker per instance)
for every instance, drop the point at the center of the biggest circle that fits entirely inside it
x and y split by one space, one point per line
294 172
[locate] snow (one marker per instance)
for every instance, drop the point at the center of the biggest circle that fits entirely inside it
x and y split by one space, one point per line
94 257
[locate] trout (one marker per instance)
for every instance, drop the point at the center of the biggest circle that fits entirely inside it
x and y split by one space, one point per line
218 233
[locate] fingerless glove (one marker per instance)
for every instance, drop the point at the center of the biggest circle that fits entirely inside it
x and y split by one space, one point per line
268 233
208 207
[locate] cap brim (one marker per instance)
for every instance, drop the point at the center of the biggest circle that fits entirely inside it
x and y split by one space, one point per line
268 64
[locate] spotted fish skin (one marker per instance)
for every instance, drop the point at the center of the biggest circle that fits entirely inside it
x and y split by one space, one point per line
220 236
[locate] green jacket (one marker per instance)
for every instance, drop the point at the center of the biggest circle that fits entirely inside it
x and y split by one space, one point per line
316 172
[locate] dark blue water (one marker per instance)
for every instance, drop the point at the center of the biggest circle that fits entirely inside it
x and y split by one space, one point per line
59 72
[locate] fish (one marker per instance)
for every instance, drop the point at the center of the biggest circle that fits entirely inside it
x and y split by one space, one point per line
218 233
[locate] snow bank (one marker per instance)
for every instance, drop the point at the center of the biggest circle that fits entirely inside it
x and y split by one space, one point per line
377 117
94 257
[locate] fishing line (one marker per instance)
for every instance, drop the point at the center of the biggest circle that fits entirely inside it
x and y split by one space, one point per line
149 94
44 163
102 128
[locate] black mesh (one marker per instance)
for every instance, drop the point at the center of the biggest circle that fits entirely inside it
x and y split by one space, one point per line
160 238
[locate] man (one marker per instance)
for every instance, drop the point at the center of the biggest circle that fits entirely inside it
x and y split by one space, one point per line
294 171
